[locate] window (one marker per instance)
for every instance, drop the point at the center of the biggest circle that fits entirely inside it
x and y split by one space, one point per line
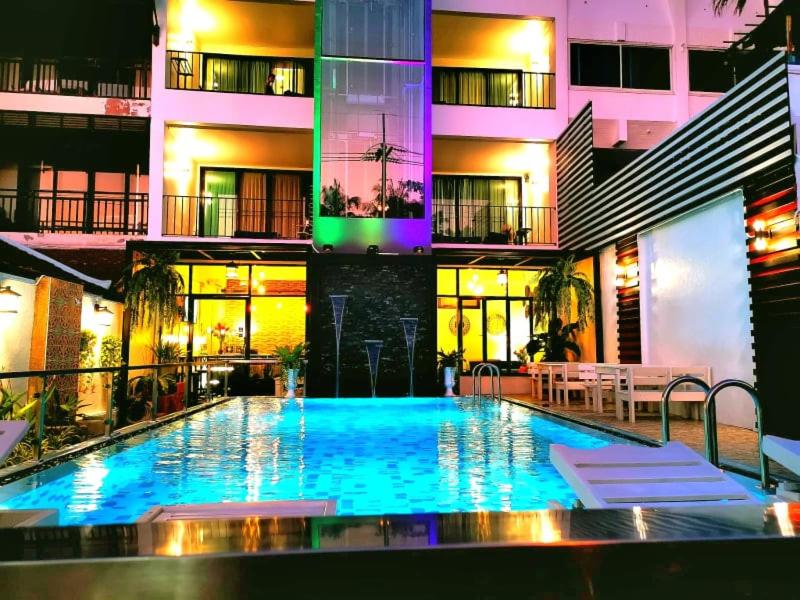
709 71
616 65
595 65
477 209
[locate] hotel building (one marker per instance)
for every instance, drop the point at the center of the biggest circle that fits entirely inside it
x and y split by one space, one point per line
425 158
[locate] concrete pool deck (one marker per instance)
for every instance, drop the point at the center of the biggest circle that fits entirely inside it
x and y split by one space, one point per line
736 445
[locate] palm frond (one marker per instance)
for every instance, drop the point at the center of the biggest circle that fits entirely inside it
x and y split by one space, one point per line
720 5
152 287
557 288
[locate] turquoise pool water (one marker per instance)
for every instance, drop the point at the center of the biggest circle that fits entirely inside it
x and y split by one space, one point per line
373 456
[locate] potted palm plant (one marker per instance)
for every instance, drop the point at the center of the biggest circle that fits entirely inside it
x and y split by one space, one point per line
449 363
290 360
560 292
152 287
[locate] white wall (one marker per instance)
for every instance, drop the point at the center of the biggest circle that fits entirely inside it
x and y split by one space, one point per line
695 299
608 298
15 331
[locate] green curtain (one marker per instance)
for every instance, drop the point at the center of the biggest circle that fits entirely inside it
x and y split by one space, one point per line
220 197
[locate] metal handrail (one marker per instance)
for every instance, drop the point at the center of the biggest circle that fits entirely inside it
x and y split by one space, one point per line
710 424
665 400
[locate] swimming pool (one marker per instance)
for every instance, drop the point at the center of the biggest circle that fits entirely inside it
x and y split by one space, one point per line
373 456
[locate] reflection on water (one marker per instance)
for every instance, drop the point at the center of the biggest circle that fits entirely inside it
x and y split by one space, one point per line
378 456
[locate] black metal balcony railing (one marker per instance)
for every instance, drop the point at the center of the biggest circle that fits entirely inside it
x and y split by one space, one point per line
75 77
479 222
74 212
239 74
490 87
206 216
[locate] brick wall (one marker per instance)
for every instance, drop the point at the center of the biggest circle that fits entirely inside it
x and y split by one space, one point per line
381 290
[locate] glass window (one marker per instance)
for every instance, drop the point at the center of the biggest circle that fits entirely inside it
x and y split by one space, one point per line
496 330
276 321
214 279
285 281
645 68
709 71
372 125
521 283
446 282
614 65
387 29
595 65
447 328
480 282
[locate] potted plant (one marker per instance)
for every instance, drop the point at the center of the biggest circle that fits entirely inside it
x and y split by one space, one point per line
449 363
556 343
560 290
290 360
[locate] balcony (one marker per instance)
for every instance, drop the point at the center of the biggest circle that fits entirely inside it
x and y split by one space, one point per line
212 72
479 222
235 217
86 77
493 88
74 212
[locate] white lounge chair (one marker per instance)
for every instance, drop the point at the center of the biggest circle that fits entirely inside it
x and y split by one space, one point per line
11 433
787 453
620 476
239 510
783 451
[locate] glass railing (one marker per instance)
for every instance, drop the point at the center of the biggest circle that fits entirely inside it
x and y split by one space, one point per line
67 408
67 76
269 76
207 216
481 222
490 87
74 212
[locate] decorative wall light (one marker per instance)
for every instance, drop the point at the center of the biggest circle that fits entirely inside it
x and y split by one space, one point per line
9 300
619 276
627 276
760 234
103 315
502 277
372 249
231 272
419 250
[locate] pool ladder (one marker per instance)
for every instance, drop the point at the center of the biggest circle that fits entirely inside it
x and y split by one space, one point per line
477 387
710 418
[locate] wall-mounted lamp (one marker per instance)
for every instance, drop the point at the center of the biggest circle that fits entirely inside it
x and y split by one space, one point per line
372 249
327 248
9 300
502 277
419 250
231 272
103 315
760 234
